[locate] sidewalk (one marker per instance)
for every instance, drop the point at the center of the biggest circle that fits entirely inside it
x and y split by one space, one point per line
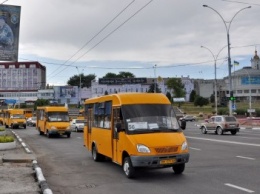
19 172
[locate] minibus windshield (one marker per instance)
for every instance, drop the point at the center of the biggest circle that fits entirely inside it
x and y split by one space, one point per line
17 116
149 118
58 117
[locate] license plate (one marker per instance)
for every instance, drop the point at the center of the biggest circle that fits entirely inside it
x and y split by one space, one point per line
168 161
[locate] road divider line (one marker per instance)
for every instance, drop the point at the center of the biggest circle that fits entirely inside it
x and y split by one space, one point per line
194 148
240 188
223 141
245 157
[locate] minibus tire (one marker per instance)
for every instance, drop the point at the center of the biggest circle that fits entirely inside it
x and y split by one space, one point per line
128 168
95 155
40 132
178 168
48 134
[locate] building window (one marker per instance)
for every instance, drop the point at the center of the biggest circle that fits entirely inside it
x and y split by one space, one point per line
246 91
2 66
22 65
253 91
32 65
11 66
239 91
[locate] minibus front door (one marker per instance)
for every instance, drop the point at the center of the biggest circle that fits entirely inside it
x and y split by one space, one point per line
116 119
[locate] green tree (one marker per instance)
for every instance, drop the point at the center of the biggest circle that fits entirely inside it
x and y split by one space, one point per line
85 80
212 98
200 101
110 75
151 88
41 102
169 96
176 85
124 74
193 95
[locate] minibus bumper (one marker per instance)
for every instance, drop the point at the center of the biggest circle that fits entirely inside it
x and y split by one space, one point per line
59 132
159 161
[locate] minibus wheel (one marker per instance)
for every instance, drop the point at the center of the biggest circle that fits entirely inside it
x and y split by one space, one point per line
95 155
48 134
178 168
128 168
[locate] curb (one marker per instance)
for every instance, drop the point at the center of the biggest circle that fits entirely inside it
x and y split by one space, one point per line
38 171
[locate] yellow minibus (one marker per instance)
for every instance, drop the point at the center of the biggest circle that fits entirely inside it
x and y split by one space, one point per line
53 120
14 118
2 117
135 130
28 113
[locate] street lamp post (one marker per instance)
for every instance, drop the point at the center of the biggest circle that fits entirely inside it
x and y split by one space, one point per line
215 57
155 78
250 94
79 85
227 26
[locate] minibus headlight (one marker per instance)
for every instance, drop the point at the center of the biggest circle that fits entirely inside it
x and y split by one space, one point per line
53 128
68 128
184 146
142 148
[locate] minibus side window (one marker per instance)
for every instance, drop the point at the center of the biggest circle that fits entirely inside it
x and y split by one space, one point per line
102 115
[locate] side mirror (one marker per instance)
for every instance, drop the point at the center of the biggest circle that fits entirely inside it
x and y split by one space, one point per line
183 124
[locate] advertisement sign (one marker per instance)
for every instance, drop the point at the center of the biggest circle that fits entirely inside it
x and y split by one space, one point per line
255 80
120 81
9 32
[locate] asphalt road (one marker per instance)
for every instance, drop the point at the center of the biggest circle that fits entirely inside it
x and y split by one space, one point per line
218 164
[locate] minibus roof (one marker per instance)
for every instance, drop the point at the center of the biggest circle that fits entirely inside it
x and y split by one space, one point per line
53 108
132 98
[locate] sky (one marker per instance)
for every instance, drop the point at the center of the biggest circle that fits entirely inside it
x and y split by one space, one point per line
148 38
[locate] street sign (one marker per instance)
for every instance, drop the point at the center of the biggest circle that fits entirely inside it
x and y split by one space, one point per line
250 110
234 107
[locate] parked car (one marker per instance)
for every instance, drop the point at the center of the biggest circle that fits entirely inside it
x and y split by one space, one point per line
188 118
77 125
220 124
31 121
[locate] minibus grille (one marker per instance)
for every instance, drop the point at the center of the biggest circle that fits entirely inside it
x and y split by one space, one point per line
163 150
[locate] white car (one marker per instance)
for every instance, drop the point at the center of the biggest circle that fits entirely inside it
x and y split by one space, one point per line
31 121
77 125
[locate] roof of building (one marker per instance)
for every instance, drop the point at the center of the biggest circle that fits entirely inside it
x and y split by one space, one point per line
245 71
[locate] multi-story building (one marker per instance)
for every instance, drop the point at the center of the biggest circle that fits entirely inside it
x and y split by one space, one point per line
21 80
245 82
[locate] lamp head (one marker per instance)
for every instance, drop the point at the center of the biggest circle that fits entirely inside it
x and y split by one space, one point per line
205 5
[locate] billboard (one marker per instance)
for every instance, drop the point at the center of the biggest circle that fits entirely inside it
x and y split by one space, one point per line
254 80
9 32
120 81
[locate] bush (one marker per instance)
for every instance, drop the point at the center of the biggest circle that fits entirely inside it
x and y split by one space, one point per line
257 112
223 111
2 128
6 139
241 111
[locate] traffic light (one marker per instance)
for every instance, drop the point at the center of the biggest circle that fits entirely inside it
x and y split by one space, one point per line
232 98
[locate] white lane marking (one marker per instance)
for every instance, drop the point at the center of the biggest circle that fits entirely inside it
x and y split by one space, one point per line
194 148
223 141
79 137
240 188
245 157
